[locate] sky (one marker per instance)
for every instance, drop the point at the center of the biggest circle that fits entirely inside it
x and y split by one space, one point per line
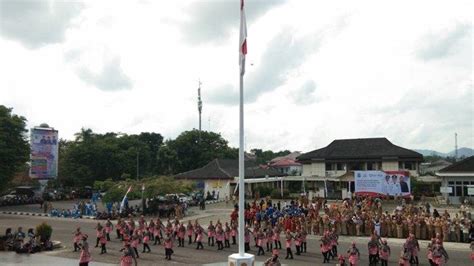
316 70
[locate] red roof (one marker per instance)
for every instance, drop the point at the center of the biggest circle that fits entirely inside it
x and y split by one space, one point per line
285 163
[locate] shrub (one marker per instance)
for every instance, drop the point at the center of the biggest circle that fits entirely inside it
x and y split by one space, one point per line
44 231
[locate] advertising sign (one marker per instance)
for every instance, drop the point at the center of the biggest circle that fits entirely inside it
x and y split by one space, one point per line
44 153
470 191
446 189
382 183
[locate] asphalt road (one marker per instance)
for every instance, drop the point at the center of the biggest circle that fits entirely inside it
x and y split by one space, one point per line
63 228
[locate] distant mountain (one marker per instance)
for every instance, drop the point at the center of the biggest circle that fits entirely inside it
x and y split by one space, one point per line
431 153
462 152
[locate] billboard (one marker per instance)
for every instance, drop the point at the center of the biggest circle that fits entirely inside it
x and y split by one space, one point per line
44 153
382 183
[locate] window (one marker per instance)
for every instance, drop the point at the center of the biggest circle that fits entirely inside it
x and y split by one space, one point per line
458 191
451 183
400 165
370 166
329 167
340 166
452 193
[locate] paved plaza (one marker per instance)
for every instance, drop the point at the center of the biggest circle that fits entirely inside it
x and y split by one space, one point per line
63 231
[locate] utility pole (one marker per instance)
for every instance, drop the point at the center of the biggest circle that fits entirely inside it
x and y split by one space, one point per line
455 146
199 107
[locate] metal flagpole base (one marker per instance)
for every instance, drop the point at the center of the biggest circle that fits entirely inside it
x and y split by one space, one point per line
237 260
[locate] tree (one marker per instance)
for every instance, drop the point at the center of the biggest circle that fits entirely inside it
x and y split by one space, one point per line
14 148
195 149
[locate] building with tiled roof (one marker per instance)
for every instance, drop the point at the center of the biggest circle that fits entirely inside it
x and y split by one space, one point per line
221 175
334 164
458 178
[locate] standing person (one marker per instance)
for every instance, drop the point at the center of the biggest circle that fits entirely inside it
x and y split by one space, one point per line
118 228
260 236
440 256
413 247
227 233
189 232
77 239
373 247
404 258
325 247
168 247
334 242
276 236
289 238
146 240
108 228
134 243
98 232
85 256
304 234
247 238
384 252
219 237
103 242
354 255
128 255
233 233
211 232
199 236
181 233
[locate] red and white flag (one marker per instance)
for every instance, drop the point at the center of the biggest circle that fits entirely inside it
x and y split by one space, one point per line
243 38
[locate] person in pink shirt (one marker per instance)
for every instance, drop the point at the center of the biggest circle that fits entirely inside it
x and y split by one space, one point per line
199 236
219 237
189 232
289 238
146 240
384 252
77 239
85 256
269 239
211 233
276 237
180 234
325 246
233 233
373 248
134 243
227 235
103 241
168 247
304 234
108 228
354 255
260 239
247 238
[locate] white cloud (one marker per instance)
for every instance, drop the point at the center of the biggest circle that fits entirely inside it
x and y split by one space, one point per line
316 71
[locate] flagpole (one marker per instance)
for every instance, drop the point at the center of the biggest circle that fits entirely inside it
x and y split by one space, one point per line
241 258
241 169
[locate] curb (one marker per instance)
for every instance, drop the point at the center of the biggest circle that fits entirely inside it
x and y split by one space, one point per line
213 201
45 215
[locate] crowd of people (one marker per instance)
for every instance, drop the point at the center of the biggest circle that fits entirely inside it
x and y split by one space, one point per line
22 242
268 225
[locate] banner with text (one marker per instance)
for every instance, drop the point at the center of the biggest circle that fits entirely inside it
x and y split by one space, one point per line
382 183
44 153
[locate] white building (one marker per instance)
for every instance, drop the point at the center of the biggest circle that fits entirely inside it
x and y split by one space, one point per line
459 177
341 157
